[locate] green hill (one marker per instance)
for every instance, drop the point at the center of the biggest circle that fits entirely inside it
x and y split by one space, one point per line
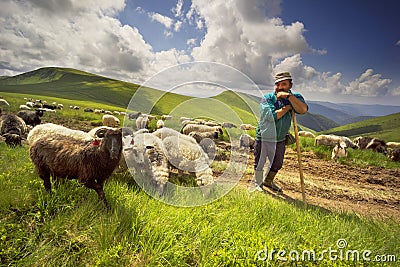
385 127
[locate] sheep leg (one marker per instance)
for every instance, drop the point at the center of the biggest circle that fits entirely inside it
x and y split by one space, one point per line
46 181
98 188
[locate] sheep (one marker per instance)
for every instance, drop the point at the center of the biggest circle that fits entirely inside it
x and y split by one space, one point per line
395 154
145 154
201 128
142 122
212 123
393 145
190 157
246 141
31 117
110 120
166 117
165 132
205 140
339 151
134 116
228 125
4 102
160 124
88 110
306 134
67 157
98 111
375 144
50 128
327 140
13 128
247 127
24 107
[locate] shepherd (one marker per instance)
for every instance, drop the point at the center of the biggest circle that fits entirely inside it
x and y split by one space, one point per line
277 109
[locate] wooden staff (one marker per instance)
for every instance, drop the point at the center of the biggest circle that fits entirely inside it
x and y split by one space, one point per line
296 133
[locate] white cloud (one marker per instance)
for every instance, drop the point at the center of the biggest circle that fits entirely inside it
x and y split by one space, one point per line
398 42
164 20
177 10
369 84
85 36
245 37
191 42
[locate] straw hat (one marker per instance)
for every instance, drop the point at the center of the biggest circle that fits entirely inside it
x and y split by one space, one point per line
282 76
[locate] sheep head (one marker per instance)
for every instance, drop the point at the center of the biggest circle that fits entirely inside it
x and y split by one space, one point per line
112 142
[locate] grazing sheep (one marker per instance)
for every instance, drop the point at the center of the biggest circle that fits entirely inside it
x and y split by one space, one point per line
228 125
13 129
134 116
160 124
31 117
4 102
247 127
393 145
201 128
166 117
205 140
306 134
190 157
24 107
110 120
67 157
50 128
142 122
165 132
88 110
339 151
375 144
145 154
246 141
327 140
212 123
395 154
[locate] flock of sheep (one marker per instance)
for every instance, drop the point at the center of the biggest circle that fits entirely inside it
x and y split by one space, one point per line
341 143
91 157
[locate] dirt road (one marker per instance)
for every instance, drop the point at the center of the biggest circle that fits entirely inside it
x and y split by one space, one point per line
370 191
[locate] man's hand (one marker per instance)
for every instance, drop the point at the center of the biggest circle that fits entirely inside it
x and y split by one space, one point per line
282 95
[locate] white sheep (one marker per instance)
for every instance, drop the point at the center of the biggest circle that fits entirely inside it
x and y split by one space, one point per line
142 121
190 157
24 107
50 128
160 124
339 151
4 102
145 155
201 128
393 145
110 120
228 125
246 141
327 140
165 132
306 134
246 126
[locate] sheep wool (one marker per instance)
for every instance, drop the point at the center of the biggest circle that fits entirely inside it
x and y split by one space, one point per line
68 157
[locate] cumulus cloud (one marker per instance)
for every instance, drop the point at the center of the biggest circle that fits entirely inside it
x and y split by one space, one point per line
86 36
369 84
177 10
242 35
164 20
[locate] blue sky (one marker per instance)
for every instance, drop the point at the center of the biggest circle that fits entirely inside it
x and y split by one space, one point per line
338 51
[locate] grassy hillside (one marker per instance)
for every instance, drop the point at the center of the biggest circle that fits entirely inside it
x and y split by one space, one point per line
385 127
71 227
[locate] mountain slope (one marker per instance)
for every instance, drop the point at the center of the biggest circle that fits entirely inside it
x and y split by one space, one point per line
384 127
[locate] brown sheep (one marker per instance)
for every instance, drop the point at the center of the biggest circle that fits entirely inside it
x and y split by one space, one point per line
67 157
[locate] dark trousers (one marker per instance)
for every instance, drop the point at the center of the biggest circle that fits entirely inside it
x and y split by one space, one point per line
274 152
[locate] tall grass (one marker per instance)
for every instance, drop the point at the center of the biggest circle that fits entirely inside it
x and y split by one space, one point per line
71 227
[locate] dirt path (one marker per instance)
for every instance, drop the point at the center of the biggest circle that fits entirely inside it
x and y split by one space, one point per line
371 191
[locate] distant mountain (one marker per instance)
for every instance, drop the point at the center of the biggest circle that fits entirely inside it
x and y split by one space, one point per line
344 113
316 122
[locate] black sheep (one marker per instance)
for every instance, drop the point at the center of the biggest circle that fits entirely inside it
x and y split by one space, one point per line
67 157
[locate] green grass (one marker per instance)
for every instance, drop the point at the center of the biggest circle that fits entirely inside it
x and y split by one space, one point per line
71 227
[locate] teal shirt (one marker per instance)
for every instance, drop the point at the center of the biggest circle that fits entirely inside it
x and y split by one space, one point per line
270 128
